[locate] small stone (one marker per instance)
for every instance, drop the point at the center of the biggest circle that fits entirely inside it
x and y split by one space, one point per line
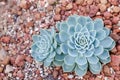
116 9
1 46
49 8
115 19
97 78
107 22
115 62
114 2
43 14
1 69
70 76
51 2
118 47
118 23
57 68
19 13
116 37
65 76
57 17
29 59
19 58
30 24
103 1
20 74
5 39
114 50
107 15
57 10
93 10
14 74
39 78
37 15
109 26
118 41
37 72
3 54
79 2
19 61
8 69
55 74
5 61
117 53
102 7
69 6
89 1
116 31
12 60
24 4
106 70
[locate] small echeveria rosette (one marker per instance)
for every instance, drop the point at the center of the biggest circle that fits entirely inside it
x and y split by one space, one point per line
86 43
44 45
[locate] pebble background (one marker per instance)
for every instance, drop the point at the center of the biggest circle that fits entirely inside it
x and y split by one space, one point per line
20 19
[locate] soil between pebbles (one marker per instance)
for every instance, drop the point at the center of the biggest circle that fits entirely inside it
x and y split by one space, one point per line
20 19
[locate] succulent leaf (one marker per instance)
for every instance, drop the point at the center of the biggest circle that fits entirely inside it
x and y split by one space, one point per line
107 31
90 25
98 24
83 67
80 72
93 60
98 50
82 20
71 30
96 42
63 36
70 45
107 42
81 60
64 26
72 52
57 63
68 68
88 53
64 48
104 55
69 60
95 68
59 57
100 35
92 33
78 27
71 21
105 61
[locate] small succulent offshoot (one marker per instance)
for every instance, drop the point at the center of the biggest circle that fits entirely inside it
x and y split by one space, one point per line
43 47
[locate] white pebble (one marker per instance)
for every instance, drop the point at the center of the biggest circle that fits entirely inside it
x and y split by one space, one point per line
46 73
70 76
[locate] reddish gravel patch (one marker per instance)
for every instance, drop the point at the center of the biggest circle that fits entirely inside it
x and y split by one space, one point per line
20 19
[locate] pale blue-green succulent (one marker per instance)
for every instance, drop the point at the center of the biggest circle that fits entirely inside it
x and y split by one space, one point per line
44 45
85 42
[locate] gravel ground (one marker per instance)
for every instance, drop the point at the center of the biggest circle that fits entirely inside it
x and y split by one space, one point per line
20 19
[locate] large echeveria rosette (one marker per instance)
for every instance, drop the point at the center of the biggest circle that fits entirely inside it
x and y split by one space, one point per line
44 45
86 43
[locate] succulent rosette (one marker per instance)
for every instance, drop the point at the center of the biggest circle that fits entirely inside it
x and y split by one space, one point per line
85 42
44 45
